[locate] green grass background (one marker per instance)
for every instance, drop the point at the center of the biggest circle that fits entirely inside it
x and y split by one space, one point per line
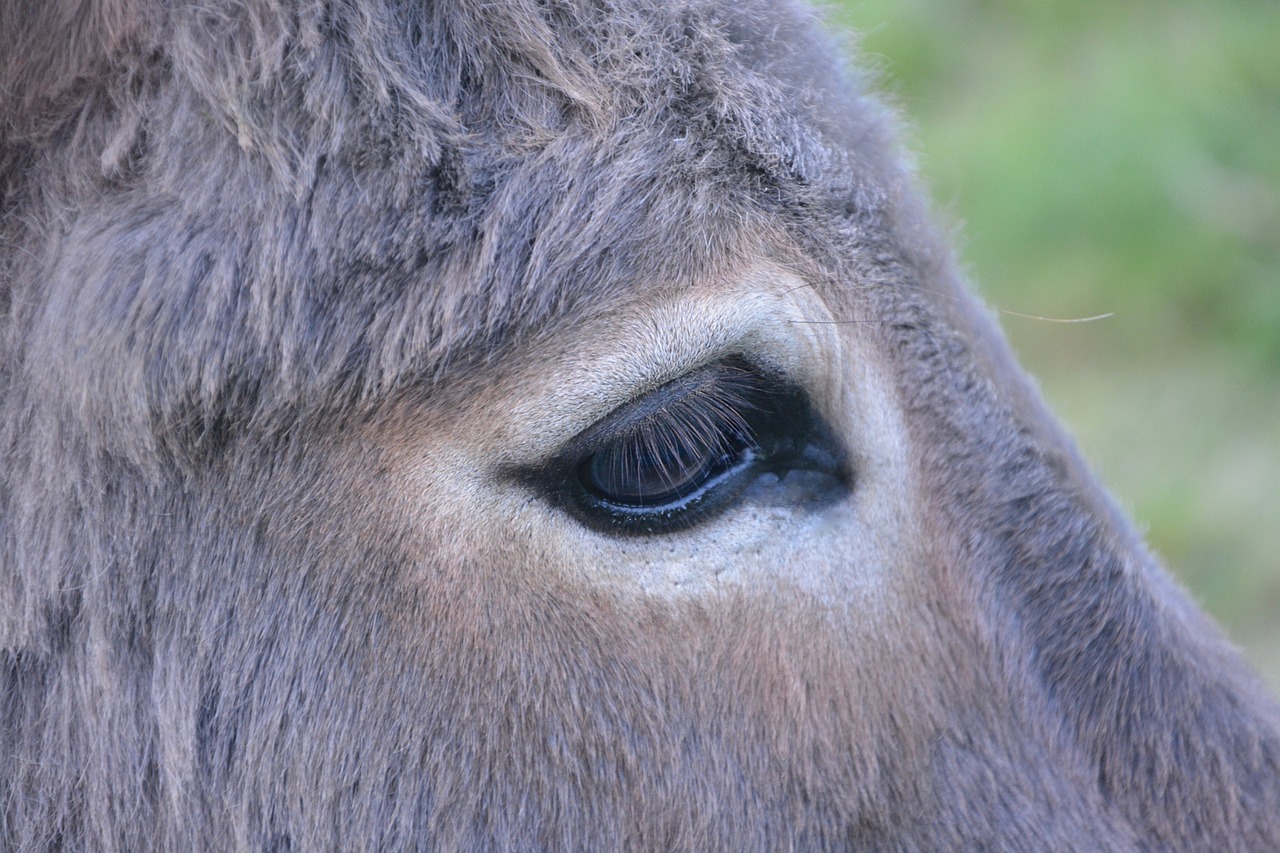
1124 159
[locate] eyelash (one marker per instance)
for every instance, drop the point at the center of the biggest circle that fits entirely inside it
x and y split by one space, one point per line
668 458
685 451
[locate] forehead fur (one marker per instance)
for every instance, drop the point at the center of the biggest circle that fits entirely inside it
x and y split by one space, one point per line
296 203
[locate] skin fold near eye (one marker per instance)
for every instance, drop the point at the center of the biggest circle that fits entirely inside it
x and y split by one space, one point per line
694 447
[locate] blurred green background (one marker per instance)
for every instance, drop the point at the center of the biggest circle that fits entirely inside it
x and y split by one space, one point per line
1124 159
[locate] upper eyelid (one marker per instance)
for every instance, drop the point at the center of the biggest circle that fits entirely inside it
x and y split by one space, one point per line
550 397
628 416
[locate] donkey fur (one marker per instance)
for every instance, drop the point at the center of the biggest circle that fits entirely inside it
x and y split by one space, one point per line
233 234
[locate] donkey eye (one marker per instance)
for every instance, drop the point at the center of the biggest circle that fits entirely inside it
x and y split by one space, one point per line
691 448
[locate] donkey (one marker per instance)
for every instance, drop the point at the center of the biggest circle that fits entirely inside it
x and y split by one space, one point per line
544 426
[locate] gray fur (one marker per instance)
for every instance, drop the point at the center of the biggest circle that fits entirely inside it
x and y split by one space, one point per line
233 234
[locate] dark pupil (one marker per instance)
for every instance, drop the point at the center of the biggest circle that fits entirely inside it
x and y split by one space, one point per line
657 467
